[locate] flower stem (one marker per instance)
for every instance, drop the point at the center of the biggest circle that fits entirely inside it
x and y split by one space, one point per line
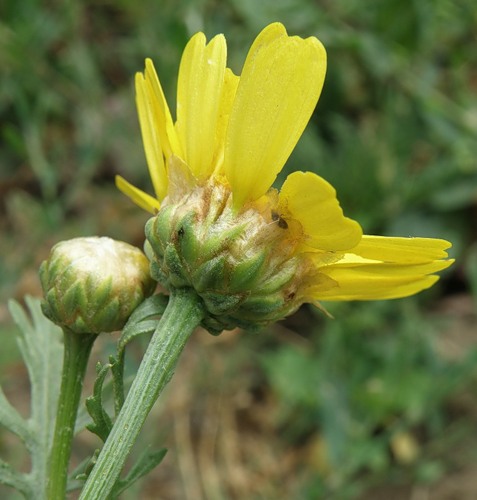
77 348
182 315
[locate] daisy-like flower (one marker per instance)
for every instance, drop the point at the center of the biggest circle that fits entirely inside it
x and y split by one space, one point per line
252 253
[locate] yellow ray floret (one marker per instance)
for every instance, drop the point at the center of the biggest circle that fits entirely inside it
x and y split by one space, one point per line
163 119
199 91
383 268
148 119
139 197
311 200
278 90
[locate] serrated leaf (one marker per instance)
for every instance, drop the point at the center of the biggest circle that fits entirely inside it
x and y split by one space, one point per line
40 343
117 372
145 464
12 420
102 423
109 388
14 479
81 472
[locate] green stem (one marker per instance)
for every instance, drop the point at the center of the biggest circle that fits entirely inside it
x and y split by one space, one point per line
182 315
77 348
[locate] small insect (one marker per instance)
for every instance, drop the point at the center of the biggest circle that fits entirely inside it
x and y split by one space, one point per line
279 220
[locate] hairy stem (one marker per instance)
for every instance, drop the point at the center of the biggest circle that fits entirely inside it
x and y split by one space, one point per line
182 315
77 348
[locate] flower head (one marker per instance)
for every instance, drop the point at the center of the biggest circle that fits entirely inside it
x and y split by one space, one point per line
93 284
254 254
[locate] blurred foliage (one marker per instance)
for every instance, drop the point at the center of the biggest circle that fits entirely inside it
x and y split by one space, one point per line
384 394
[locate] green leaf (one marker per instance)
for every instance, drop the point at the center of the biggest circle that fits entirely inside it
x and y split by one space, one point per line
40 343
117 371
12 420
11 477
145 463
141 320
102 423
81 472
139 323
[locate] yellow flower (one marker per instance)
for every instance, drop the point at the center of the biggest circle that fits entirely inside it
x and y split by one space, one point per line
212 170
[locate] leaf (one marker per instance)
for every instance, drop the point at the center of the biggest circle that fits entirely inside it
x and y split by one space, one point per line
12 420
11 477
40 343
102 423
81 472
145 463
141 320
117 371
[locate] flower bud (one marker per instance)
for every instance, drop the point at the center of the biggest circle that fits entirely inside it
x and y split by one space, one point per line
93 284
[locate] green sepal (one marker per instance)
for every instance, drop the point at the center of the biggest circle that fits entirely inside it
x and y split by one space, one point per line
79 325
252 325
71 298
44 275
265 304
98 293
216 243
214 326
157 272
277 281
159 229
245 274
49 306
188 242
108 315
210 275
175 267
218 303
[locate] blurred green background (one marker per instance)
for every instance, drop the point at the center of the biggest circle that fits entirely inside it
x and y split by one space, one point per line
380 402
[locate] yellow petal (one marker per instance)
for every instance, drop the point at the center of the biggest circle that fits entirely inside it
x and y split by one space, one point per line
163 119
150 137
402 250
199 91
356 285
140 198
311 200
279 87
382 268
270 33
231 82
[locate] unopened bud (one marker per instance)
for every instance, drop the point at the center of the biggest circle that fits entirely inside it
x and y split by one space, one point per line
93 284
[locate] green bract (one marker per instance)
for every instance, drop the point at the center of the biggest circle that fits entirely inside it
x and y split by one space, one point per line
237 263
92 285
